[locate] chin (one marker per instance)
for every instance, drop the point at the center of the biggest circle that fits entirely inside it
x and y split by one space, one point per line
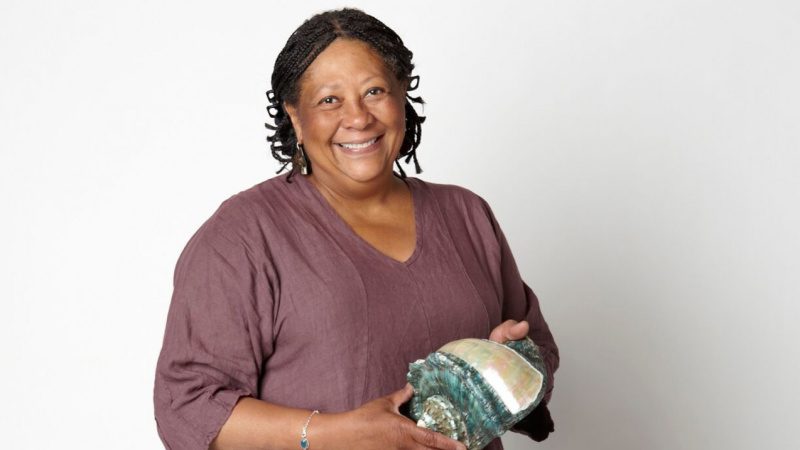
365 170
364 175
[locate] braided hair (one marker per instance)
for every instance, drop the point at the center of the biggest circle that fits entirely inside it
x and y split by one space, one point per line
304 45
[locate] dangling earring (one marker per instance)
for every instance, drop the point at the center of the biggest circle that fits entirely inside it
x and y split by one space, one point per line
302 161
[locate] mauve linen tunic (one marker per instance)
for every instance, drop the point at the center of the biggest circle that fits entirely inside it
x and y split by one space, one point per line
275 297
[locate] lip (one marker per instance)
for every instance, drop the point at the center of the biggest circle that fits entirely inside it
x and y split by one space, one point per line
359 151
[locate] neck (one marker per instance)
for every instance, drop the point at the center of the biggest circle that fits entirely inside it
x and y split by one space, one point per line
364 194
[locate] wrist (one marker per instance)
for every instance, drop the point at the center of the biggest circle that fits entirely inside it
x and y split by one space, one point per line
325 432
304 443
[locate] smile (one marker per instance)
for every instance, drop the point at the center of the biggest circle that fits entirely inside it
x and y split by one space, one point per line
358 145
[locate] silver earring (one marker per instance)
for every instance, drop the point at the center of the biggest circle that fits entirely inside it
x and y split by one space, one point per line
302 161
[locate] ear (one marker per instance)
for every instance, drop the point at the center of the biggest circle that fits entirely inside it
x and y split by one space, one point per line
292 112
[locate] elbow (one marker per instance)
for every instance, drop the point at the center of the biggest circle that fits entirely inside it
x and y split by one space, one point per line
190 415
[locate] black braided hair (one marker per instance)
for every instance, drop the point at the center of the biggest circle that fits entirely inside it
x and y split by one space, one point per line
305 44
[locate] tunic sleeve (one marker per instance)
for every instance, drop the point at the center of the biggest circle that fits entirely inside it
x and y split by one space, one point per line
519 302
216 339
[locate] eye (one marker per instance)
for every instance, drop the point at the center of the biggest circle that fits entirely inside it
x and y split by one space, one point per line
376 91
329 100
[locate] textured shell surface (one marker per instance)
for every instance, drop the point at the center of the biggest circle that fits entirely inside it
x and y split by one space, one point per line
474 390
513 378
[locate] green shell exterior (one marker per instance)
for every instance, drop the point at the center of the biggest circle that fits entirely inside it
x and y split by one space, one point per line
478 413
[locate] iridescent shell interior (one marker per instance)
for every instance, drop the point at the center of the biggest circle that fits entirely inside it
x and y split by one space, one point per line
513 379
474 390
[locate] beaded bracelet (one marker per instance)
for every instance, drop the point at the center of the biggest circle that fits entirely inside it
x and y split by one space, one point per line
304 434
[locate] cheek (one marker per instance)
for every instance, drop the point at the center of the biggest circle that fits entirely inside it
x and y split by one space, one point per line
394 114
318 127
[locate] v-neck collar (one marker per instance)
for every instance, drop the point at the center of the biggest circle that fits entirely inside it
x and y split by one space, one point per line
337 220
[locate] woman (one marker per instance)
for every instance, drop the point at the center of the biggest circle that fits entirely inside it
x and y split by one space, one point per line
299 304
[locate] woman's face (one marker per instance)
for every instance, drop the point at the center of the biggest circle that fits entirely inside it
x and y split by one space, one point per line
350 114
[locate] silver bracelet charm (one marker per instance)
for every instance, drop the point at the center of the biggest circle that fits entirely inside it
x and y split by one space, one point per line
304 434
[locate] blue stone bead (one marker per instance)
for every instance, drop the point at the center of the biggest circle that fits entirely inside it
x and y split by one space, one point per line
304 443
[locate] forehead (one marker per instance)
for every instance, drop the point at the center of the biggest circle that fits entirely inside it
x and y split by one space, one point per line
343 61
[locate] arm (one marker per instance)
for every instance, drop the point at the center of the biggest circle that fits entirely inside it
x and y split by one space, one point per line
258 425
522 316
519 303
218 337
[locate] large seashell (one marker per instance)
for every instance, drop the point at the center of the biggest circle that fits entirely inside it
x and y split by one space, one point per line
474 390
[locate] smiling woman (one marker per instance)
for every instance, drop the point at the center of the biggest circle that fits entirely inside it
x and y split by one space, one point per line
350 115
300 303
350 122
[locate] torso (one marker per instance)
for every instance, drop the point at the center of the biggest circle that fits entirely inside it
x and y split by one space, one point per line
348 301
329 309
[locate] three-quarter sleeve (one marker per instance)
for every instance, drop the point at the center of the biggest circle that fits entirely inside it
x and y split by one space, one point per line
216 339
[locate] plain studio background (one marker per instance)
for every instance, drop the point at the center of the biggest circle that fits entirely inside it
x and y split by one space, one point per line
642 158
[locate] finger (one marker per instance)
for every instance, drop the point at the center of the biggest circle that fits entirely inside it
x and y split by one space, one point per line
401 396
518 331
431 439
510 330
500 332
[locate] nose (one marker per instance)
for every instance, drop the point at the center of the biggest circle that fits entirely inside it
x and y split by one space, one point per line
355 114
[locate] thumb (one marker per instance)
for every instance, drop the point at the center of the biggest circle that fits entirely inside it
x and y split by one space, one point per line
518 331
510 330
401 396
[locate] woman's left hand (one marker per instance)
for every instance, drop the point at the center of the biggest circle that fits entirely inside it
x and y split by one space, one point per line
510 330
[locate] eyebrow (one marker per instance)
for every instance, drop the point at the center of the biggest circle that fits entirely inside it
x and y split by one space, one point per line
325 86
333 86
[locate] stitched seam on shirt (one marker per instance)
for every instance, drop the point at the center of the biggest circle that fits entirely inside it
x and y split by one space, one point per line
329 232
420 304
246 301
464 271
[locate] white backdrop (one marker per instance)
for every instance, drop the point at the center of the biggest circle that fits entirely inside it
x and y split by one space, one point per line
642 157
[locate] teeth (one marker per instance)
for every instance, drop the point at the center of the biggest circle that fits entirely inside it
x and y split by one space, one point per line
359 146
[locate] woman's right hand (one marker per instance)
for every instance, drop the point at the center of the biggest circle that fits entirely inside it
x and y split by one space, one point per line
379 425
